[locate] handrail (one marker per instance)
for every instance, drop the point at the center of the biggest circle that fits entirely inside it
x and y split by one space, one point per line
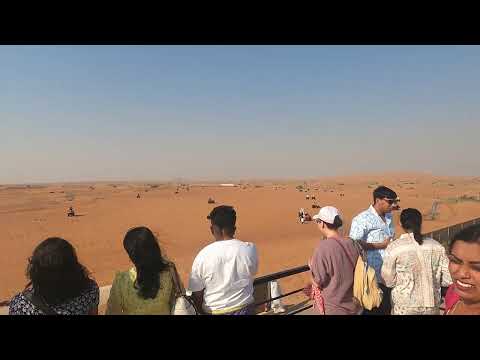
281 274
300 269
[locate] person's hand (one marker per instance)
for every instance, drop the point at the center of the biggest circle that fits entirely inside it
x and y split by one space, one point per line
307 290
386 242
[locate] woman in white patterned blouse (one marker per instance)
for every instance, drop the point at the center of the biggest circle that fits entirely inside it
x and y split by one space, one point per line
415 268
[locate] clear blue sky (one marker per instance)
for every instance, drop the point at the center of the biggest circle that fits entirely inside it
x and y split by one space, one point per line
71 113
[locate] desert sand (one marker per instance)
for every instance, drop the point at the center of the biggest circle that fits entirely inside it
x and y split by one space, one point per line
266 215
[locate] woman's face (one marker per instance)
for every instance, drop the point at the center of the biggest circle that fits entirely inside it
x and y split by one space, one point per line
465 270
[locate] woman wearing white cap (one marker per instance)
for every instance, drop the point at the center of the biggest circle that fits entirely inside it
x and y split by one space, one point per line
333 265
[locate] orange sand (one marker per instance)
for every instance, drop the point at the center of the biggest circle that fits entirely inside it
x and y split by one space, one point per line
266 213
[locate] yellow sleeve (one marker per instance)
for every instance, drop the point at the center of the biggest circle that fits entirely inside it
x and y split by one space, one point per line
114 303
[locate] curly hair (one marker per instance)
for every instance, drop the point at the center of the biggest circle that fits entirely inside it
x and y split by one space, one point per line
55 273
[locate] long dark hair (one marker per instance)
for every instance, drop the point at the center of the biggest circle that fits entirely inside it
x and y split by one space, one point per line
55 273
411 220
143 249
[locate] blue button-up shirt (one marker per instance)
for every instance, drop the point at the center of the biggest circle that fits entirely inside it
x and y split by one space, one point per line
369 226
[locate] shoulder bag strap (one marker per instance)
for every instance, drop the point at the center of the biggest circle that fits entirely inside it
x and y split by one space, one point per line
179 291
346 252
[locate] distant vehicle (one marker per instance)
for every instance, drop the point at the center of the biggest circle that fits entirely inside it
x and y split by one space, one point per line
304 216
211 201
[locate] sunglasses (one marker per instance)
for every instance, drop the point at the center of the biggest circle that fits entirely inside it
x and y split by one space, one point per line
390 201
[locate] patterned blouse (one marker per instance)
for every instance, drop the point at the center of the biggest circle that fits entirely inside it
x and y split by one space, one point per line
80 305
415 272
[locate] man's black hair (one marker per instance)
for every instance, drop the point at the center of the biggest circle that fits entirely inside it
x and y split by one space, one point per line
383 192
224 217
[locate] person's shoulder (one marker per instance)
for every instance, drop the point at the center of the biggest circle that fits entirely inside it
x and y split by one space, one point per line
326 246
362 215
394 246
120 275
401 243
92 288
20 297
245 244
208 252
433 243
20 304
212 247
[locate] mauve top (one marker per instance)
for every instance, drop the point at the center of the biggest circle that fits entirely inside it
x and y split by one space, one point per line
333 267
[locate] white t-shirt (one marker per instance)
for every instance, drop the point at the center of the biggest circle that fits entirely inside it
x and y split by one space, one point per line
225 269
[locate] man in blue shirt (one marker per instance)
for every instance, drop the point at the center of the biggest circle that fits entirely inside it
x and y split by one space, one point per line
374 229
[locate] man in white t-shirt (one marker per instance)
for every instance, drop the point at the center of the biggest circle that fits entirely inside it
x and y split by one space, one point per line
222 274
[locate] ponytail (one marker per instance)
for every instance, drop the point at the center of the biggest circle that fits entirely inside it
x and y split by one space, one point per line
418 236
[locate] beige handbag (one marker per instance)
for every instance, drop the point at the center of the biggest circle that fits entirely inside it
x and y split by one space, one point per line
182 304
365 288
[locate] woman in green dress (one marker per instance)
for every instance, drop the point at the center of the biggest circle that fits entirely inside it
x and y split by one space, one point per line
148 287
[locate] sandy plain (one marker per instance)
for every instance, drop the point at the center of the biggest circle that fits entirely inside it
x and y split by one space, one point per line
266 215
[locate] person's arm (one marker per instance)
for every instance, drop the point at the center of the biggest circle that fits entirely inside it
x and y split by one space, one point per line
320 267
389 269
196 284
94 297
197 297
114 303
375 246
254 261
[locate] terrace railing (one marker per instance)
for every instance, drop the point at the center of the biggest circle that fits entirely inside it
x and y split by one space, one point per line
261 284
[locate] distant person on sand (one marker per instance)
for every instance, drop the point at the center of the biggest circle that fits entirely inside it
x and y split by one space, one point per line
374 229
59 284
148 287
70 212
463 296
332 267
222 273
303 216
416 268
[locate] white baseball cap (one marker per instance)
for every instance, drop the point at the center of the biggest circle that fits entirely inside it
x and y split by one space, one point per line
327 214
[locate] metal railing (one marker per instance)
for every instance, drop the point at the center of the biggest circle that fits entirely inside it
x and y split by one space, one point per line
265 280
443 235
